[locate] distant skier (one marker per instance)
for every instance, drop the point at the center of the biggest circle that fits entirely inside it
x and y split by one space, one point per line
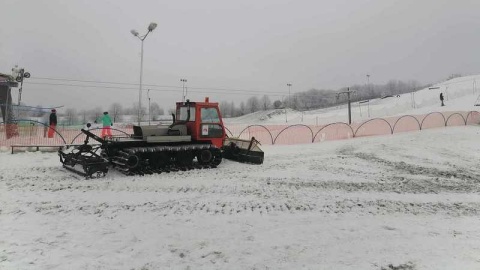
107 123
441 99
52 123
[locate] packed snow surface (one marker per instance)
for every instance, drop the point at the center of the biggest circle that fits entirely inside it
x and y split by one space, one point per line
407 201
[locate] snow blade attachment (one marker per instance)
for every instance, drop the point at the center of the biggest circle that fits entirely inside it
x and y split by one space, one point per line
84 159
246 151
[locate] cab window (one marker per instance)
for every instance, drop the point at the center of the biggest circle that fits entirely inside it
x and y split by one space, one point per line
182 114
209 115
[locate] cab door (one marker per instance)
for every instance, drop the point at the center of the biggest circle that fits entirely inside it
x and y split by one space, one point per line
211 126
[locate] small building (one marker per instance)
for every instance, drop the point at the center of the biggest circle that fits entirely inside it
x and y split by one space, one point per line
6 82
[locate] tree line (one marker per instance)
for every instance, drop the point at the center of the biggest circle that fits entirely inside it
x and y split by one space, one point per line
319 98
301 101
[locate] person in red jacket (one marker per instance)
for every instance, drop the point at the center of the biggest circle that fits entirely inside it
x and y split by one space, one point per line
53 123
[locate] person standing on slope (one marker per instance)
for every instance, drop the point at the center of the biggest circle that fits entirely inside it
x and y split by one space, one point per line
441 99
52 123
107 123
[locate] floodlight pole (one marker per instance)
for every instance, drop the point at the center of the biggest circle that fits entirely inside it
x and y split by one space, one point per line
19 74
151 27
140 88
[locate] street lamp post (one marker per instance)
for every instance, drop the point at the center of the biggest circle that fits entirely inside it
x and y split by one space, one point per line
151 27
149 115
183 89
19 74
288 102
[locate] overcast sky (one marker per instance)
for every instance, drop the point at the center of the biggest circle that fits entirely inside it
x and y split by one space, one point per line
254 45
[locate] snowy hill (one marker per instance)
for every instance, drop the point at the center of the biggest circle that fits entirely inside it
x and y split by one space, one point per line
460 95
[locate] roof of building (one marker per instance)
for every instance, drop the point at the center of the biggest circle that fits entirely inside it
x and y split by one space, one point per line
7 80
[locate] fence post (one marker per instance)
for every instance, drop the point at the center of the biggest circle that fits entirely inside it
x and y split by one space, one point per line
30 132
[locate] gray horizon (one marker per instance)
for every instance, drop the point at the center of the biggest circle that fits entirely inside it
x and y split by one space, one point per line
258 46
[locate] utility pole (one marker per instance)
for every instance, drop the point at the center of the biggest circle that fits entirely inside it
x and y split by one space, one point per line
348 92
149 115
184 93
288 102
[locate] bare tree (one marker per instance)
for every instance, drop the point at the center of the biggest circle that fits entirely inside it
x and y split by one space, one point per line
225 109
116 111
84 116
253 104
155 111
96 113
266 102
242 109
277 104
232 109
143 112
453 76
295 102
70 116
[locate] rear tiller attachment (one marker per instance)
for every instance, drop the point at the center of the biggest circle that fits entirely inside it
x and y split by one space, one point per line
246 151
84 160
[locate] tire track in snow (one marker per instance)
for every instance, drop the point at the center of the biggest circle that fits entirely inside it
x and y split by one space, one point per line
255 207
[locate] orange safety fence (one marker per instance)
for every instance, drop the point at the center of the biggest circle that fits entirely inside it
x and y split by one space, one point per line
29 132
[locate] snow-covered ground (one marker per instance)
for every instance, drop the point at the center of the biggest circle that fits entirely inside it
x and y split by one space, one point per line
407 201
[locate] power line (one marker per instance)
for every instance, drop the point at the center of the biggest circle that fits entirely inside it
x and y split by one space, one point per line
155 85
212 91
75 80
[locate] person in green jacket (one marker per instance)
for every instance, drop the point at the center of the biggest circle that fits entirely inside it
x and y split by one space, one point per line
107 123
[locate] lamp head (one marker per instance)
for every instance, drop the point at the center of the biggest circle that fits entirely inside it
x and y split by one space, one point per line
152 26
134 32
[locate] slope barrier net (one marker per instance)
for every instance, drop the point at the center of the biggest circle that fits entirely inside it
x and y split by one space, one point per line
36 133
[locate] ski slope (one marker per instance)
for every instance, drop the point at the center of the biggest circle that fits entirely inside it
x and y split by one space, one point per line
460 95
